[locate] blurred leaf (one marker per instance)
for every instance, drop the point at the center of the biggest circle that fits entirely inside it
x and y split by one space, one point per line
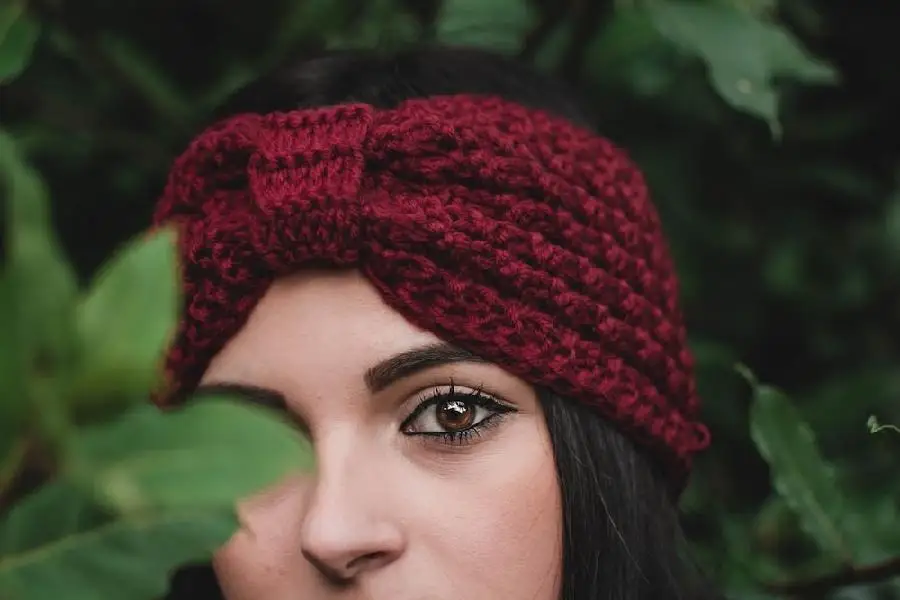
37 291
800 474
208 453
152 83
304 20
785 269
628 34
171 481
629 52
498 26
233 80
774 523
885 516
127 319
12 398
54 511
43 282
746 564
744 54
383 25
127 558
18 34
758 8
552 51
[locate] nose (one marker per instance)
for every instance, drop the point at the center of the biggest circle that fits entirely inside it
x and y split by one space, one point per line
349 527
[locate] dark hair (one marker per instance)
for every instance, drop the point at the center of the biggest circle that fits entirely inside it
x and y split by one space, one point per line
622 538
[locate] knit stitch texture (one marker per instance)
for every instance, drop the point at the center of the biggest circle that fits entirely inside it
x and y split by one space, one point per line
501 229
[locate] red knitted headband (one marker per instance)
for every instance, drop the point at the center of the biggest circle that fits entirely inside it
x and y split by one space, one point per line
501 229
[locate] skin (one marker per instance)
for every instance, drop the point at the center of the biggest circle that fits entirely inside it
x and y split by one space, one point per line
391 513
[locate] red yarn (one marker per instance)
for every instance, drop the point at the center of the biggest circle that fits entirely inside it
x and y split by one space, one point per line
501 229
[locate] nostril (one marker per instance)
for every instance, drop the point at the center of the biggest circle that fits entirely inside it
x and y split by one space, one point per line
341 574
331 573
360 563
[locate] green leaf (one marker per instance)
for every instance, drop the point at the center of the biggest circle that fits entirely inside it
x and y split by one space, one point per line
37 290
800 474
18 35
56 544
154 85
12 399
54 511
384 25
43 282
126 321
499 25
629 53
211 452
166 484
744 54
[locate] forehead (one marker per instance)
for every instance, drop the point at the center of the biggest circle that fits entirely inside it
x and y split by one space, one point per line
315 324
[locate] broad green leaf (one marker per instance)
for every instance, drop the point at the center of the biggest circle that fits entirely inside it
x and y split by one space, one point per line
167 484
744 54
211 452
126 320
54 511
43 283
81 555
499 25
37 290
800 474
18 34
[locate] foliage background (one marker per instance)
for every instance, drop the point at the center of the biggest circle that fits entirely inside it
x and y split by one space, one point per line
785 223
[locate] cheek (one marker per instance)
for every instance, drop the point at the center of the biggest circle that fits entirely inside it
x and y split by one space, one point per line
481 523
496 525
263 555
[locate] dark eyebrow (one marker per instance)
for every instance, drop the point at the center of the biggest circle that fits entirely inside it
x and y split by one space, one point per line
377 378
413 361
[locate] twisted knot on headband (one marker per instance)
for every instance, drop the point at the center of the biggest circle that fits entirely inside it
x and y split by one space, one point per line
504 230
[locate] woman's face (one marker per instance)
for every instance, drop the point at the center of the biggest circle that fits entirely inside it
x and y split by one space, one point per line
435 476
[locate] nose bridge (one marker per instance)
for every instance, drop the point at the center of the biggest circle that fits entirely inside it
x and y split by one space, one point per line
348 526
345 462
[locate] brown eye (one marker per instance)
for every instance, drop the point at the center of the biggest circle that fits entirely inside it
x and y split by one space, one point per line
455 415
452 412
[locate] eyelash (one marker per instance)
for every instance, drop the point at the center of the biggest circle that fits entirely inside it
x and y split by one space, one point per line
465 436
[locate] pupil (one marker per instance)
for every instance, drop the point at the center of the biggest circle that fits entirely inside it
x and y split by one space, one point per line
455 414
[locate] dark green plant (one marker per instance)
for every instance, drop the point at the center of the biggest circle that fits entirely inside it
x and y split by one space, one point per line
125 492
763 126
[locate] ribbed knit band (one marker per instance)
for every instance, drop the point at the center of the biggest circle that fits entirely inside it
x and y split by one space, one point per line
501 229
